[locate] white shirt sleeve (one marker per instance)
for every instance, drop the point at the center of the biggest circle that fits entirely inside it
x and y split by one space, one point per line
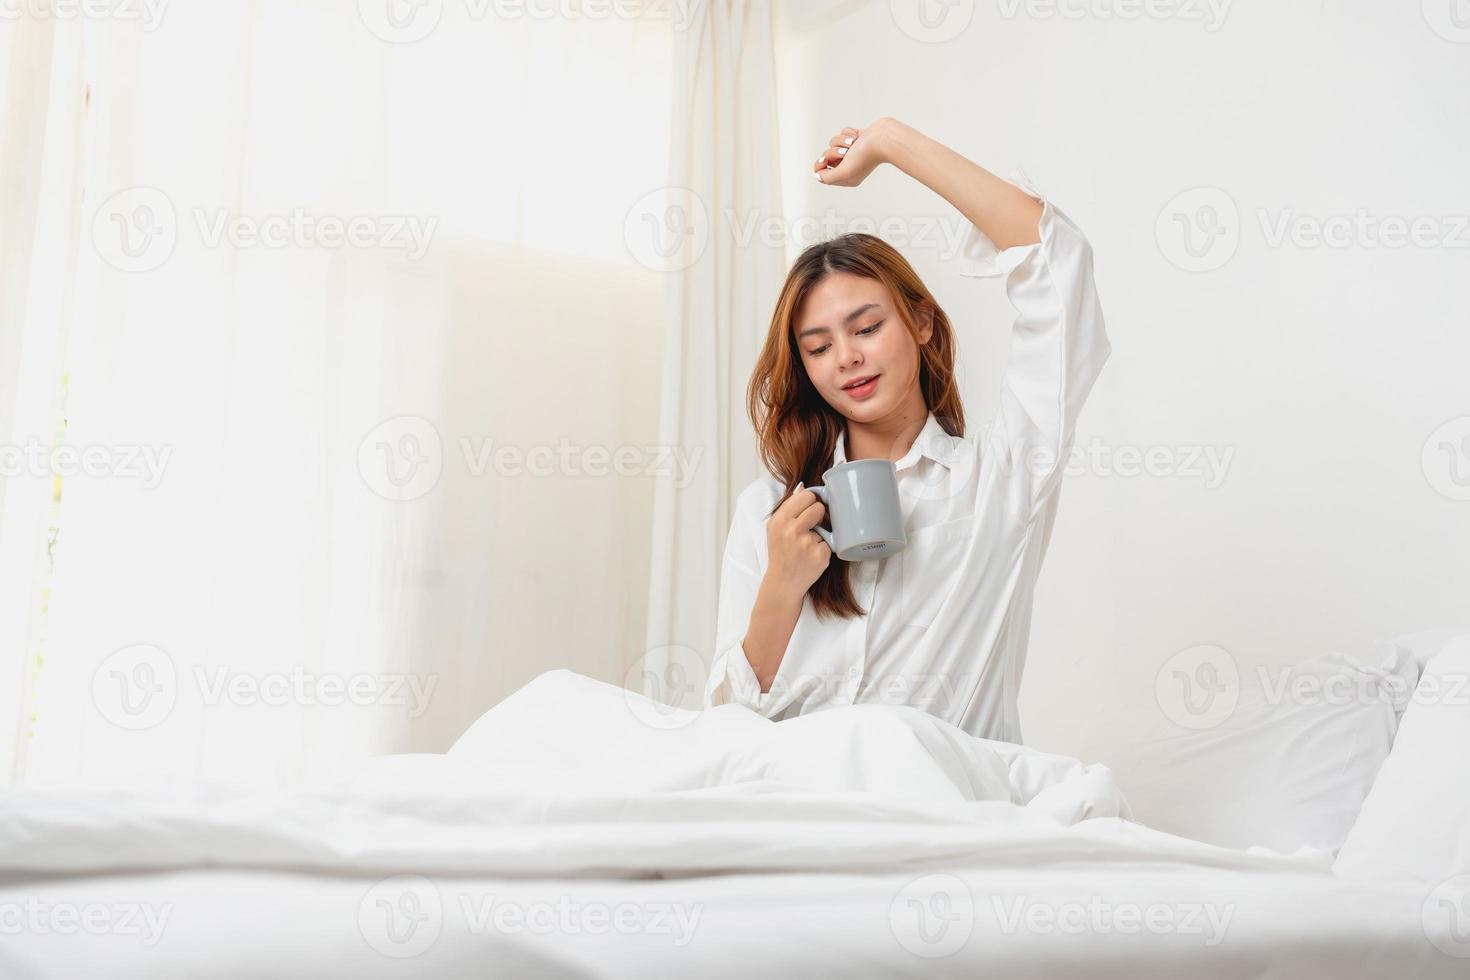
731 678
1058 347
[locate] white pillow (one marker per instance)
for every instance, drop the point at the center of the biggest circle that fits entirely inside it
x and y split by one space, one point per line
1287 768
1422 646
1415 824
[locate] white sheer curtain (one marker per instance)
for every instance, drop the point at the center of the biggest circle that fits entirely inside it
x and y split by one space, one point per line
293 279
723 168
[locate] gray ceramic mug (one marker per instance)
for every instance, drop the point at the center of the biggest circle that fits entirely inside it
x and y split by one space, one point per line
861 497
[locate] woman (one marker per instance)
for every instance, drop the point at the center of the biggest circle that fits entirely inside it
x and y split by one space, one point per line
859 364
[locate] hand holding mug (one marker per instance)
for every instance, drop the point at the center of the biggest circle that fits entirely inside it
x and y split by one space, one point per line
797 557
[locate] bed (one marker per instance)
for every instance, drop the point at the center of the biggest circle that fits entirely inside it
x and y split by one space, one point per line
579 830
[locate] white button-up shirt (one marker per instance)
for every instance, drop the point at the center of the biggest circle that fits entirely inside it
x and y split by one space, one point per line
948 617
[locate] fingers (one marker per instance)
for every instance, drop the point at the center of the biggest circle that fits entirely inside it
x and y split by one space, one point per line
836 149
798 506
795 504
826 163
811 516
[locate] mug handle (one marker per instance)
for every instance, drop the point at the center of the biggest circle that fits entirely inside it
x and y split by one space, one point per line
821 493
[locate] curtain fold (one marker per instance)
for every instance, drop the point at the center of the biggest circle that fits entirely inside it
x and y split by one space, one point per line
724 185
42 111
324 301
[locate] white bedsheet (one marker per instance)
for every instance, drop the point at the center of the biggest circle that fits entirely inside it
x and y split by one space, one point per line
1012 923
571 776
866 842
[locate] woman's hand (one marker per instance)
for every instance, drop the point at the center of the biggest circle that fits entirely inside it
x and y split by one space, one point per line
797 555
853 154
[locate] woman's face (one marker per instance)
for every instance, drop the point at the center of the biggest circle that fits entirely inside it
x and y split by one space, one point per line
849 329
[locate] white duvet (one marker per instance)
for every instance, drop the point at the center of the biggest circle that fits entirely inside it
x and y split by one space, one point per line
572 776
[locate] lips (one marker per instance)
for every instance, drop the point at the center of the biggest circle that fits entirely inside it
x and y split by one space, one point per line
862 387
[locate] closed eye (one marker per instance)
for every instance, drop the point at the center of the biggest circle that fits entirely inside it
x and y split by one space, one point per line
865 330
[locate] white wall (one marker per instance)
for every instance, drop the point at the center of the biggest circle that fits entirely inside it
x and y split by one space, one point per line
1323 370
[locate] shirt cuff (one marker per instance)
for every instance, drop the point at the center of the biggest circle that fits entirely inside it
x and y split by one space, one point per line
745 687
978 255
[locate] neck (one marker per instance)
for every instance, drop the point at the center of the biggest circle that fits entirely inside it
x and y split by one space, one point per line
889 437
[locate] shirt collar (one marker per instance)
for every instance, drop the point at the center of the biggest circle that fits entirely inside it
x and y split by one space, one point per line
932 441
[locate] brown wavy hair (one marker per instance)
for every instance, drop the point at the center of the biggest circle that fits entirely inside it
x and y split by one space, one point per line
796 430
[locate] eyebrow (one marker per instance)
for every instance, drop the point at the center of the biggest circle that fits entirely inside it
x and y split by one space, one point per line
845 320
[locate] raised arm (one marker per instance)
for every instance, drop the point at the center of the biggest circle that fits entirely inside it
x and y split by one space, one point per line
1006 214
1058 341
